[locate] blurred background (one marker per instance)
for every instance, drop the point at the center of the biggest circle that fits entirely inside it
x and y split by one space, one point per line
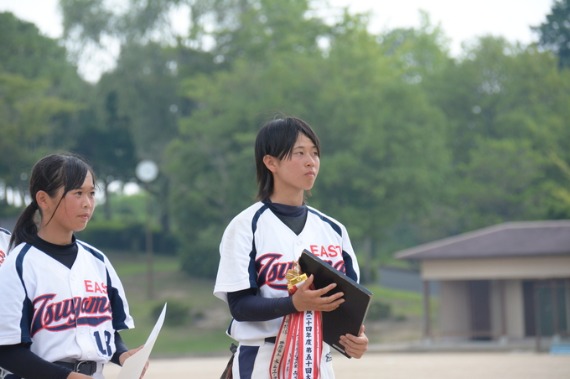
424 135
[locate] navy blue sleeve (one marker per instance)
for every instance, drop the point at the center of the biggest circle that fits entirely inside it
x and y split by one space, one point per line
247 306
121 347
19 360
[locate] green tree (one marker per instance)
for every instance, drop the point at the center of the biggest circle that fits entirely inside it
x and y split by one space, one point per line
211 163
499 183
106 142
505 105
256 29
555 32
386 153
38 98
416 145
91 27
26 112
145 82
27 53
371 125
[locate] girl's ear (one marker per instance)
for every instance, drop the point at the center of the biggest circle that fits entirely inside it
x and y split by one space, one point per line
270 162
42 198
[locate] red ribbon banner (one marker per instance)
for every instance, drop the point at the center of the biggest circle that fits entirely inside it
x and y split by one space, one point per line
299 343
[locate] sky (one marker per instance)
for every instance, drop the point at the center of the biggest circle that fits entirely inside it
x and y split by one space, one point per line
461 21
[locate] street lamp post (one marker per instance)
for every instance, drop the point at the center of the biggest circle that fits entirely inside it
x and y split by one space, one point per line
147 171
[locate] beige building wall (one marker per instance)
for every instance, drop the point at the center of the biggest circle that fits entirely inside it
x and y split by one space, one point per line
506 277
496 268
496 307
514 308
454 315
510 293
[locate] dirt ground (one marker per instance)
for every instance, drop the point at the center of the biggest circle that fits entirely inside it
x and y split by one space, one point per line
493 365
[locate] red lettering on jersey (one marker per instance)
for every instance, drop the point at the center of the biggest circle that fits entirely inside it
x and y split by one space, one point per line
335 250
271 271
90 286
2 256
100 288
69 313
321 251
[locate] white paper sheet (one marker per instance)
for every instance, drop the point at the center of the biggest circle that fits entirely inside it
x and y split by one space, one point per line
134 365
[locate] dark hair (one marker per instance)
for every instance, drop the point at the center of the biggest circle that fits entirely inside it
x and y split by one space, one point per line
277 138
49 174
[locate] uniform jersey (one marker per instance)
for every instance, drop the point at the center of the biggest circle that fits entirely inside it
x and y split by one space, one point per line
4 243
257 249
65 313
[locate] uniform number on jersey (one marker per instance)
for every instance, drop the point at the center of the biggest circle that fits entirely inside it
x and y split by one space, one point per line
104 349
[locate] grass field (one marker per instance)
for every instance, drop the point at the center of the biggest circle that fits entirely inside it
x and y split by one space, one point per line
203 330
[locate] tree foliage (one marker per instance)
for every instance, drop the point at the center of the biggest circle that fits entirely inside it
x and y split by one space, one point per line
555 32
37 91
417 144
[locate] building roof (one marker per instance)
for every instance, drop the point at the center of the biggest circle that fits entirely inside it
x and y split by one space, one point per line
512 239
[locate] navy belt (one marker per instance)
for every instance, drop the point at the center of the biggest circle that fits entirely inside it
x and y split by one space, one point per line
82 367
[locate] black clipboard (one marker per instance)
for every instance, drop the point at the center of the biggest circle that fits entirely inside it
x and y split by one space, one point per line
351 314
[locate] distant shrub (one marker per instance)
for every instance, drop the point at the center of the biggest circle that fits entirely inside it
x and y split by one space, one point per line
400 318
379 311
177 313
126 236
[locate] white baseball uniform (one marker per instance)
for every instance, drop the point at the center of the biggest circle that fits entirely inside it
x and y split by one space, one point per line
66 314
256 251
4 243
